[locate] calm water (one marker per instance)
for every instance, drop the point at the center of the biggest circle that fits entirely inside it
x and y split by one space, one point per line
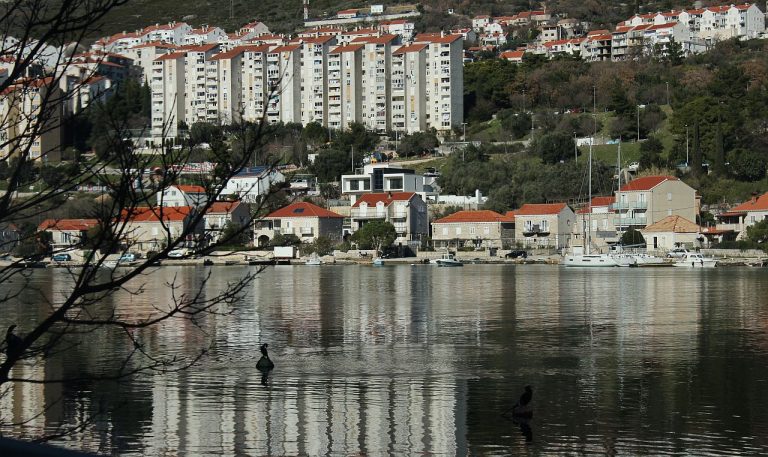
421 360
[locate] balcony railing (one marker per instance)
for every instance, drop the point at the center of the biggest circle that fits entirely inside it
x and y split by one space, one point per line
306 231
535 229
369 213
630 221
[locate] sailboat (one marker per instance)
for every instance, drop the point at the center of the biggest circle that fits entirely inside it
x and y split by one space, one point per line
586 258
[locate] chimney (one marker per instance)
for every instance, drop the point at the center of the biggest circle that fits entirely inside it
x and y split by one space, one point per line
442 33
754 197
478 195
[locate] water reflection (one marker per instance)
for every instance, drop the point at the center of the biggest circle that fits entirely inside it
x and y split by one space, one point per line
415 359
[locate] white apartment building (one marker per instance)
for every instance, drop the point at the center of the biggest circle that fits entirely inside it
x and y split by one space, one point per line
224 86
30 125
314 81
255 87
385 177
204 35
377 61
173 32
409 105
143 56
199 97
445 80
284 84
168 100
345 85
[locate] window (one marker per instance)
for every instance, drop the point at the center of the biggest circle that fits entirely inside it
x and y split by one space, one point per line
669 196
487 231
458 230
445 231
472 230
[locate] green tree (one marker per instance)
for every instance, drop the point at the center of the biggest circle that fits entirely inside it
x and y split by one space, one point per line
758 232
234 234
376 235
554 147
321 246
632 237
650 153
747 164
314 134
417 143
285 240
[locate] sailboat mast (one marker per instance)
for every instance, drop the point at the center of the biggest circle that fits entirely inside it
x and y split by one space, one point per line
618 173
589 202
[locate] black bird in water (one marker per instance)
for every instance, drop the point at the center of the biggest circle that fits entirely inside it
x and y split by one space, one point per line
264 363
14 343
523 407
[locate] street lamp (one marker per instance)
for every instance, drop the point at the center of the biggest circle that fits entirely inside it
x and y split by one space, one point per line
575 149
464 136
638 123
667 83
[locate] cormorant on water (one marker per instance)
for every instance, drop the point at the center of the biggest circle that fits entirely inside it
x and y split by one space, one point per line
526 397
264 363
523 407
14 343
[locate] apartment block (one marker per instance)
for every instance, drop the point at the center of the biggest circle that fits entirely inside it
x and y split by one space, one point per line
224 86
409 106
31 112
376 74
284 84
445 80
345 98
168 99
314 81
199 98
255 86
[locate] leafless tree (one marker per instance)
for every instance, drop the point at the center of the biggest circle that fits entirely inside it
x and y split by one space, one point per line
35 29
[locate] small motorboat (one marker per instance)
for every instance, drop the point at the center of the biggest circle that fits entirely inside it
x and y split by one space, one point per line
378 261
696 260
448 260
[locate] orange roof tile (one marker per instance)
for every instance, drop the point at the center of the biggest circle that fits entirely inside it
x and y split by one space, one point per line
222 207
347 48
474 216
303 209
646 182
437 38
191 188
386 197
597 201
375 39
416 47
675 224
758 204
146 214
536 209
68 224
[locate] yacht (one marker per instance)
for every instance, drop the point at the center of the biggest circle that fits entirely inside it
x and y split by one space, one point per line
695 260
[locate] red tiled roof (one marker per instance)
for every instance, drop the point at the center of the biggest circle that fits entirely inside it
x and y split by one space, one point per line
512 54
646 182
758 204
222 207
437 38
157 44
315 40
674 224
386 197
535 209
68 224
188 188
285 48
169 26
146 214
375 39
171 56
199 47
303 209
347 48
416 47
597 201
474 216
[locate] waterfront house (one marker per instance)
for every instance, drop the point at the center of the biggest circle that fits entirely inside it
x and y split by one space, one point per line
597 219
67 233
385 177
303 219
405 210
222 214
737 219
672 232
478 229
150 229
544 225
649 199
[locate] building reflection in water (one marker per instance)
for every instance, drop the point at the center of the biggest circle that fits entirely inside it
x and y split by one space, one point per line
398 361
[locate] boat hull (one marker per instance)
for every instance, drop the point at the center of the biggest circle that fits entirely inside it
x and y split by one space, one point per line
590 260
706 263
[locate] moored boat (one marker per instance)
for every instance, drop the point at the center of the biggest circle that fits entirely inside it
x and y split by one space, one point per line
448 260
696 260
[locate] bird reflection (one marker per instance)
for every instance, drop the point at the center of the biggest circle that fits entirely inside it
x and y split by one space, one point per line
522 413
264 365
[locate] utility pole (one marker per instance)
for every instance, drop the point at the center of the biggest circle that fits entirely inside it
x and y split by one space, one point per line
686 145
464 135
575 149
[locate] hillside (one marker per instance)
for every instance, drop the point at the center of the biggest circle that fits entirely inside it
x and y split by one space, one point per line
286 15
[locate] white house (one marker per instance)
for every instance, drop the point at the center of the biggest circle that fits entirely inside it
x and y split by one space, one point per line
252 183
303 219
405 210
384 177
545 224
182 195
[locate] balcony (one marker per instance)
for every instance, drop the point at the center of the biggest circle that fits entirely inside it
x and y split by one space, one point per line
368 213
306 231
630 221
536 230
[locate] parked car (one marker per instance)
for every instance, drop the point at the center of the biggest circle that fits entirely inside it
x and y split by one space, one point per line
634 166
517 254
61 257
127 257
678 253
178 253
